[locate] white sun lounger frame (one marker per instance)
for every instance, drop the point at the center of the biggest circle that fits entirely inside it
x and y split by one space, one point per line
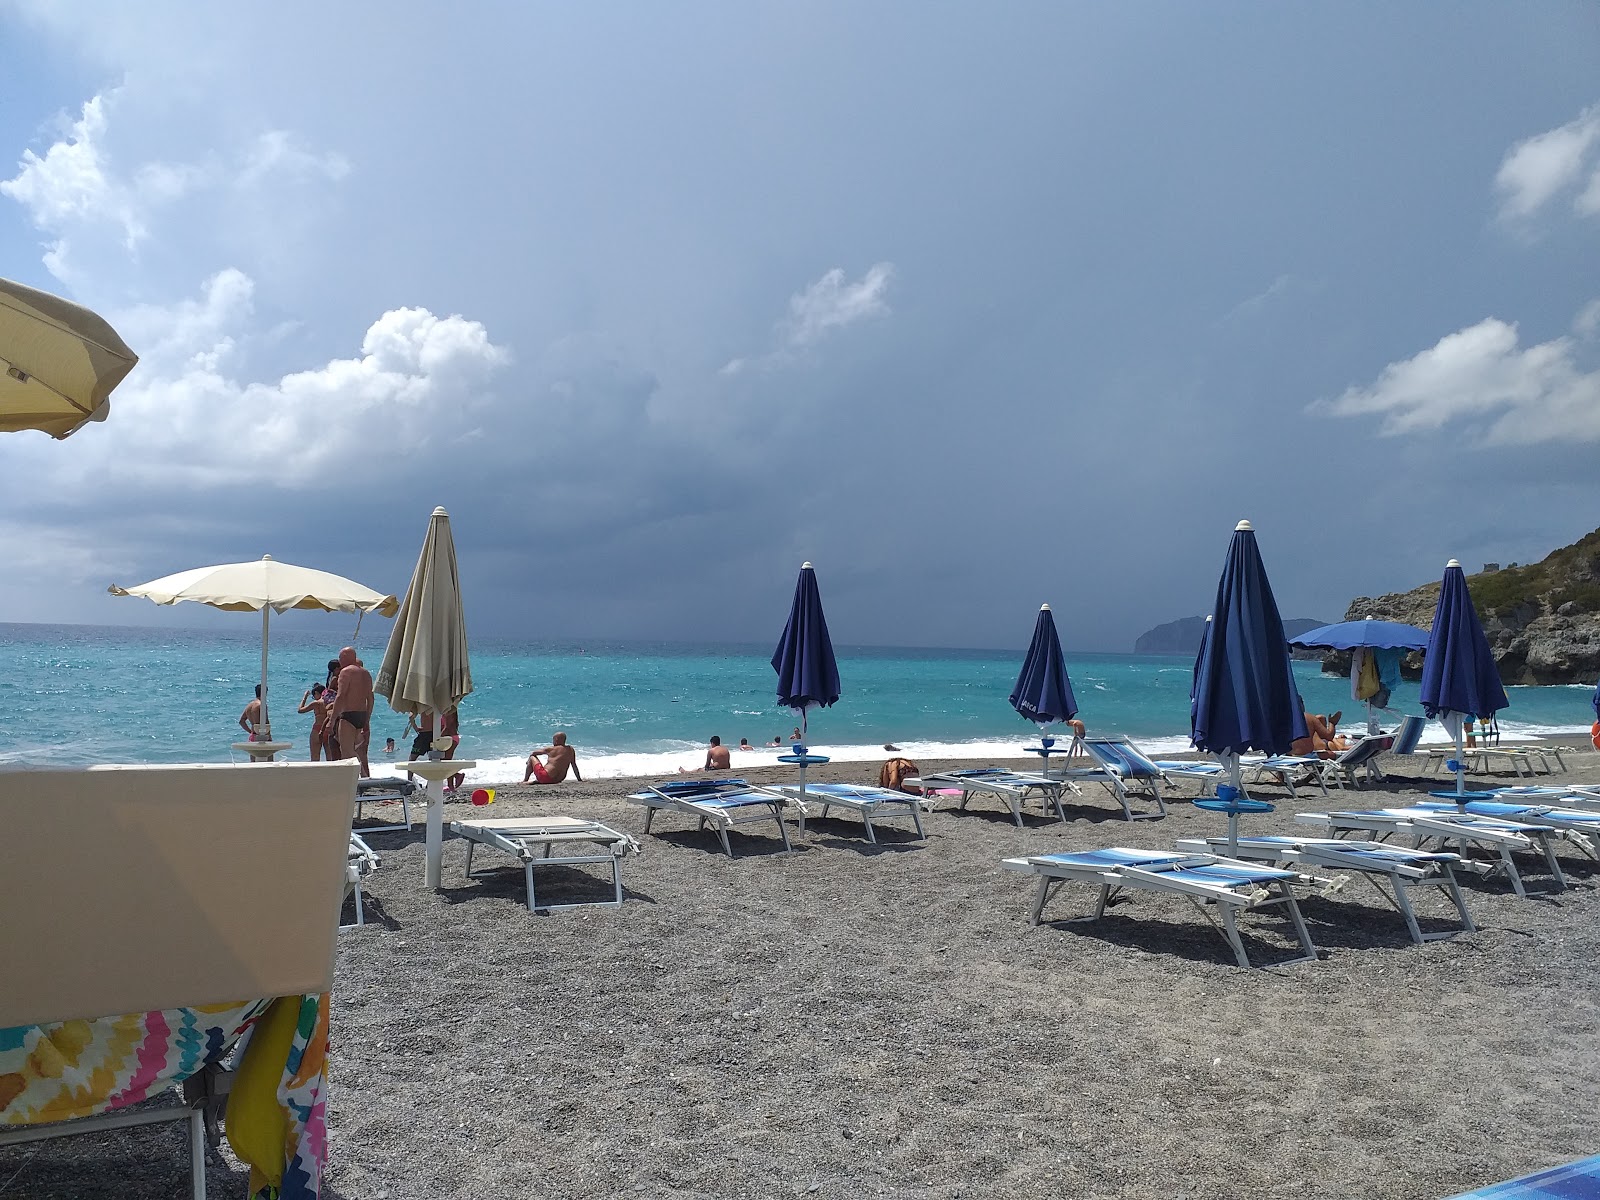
381 795
1404 868
523 836
1229 900
865 800
1013 787
1284 768
1424 826
363 861
1585 835
722 817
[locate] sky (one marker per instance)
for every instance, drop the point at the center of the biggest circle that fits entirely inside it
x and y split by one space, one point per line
974 307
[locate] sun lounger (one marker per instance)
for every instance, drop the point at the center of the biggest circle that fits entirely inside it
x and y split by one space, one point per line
1016 788
1523 760
1582 825
381 791
1425 826
1206 774
363 860
867 802
1546 793
1403 868
1122 769
1206 881
1287 769
534 840
724 804
201 899
1570 1181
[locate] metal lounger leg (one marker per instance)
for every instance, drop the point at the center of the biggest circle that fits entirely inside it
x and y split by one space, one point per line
1230 926
616 879
1545 842
783 830
197 1153
866 819
1512 873
1039 898
1100 905
1454 889
1403 903
722 832
470 845
527 873
916 819
649 815
361 916
1293 906
1016 809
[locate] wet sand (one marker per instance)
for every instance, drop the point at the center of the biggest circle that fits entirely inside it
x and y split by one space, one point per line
851 1020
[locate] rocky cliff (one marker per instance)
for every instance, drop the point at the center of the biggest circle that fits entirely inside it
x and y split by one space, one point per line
1542 620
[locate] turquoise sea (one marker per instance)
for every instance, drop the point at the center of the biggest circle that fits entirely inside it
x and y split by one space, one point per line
73 694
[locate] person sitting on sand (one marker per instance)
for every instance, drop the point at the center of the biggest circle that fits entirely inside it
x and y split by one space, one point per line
558 757
717 758
1323 738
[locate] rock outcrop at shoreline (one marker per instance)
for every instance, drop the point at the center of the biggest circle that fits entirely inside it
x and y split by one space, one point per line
1542 620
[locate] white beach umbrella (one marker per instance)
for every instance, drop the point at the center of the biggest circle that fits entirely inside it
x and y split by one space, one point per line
58 362
264 586
425 667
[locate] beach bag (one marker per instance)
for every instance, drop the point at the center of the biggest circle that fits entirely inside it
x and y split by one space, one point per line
893 775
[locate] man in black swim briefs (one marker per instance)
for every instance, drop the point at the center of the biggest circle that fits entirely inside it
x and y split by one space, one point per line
352 709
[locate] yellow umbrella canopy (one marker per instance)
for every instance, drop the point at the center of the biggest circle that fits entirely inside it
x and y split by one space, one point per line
264 586
58 362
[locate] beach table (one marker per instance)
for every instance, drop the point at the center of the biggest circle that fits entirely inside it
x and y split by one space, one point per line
1044 751
261 752
802 758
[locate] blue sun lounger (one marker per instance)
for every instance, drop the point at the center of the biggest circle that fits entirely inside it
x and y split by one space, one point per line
1288 770
723 804
1013 787
1571 1181
1402 867
1582 825
1121 769
1206 881
1427 825
866 801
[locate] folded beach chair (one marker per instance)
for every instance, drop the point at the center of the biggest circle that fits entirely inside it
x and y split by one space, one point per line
362 861
1428 826
1406 737
1581 825
1403 868
534 840
724 804
1350 765
202 907
1206 881
867 802
380 791
1122 769
1016 788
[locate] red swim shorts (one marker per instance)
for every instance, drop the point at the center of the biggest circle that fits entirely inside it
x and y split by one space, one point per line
540 775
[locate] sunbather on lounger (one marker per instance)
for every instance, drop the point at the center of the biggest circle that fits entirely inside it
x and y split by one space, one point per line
1323 740
558 759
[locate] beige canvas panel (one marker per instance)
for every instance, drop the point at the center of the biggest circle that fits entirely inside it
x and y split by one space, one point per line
126 889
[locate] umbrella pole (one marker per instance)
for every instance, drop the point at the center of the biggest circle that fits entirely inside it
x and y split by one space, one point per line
266 723
1236 777
434 872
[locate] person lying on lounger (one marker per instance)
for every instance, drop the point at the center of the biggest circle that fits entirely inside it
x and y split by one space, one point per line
1324 739
558 757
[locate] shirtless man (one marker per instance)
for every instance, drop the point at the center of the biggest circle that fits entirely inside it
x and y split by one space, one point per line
717 758
250 719
352 709
558 759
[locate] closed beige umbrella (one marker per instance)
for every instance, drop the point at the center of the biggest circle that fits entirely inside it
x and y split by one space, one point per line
59 362
263 586
425 668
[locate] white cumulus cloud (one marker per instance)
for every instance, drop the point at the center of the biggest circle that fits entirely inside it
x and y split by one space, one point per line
831 303
185 419
1538 169
1482 374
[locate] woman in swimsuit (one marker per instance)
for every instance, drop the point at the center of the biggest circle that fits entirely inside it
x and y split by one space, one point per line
318 700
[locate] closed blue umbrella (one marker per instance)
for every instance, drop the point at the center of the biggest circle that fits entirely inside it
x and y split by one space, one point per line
808 674
1459 676
1043 693
1245 696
